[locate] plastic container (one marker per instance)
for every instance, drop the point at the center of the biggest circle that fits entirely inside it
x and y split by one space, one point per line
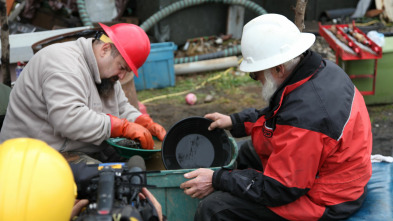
176 205
383 85
158 70
19 69
376 37
128 152
189 144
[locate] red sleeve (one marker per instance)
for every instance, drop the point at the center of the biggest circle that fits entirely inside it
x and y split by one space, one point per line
296 156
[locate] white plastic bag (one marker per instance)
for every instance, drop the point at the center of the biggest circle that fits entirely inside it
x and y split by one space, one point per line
376 37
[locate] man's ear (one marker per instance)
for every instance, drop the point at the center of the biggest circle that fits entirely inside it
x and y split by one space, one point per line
105 48
280 70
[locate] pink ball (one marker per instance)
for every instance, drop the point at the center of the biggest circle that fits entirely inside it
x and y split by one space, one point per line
191 98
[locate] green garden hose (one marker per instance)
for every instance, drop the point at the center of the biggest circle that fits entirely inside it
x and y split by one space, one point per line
156 17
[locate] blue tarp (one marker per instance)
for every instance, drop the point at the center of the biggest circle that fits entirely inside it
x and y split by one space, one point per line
379 200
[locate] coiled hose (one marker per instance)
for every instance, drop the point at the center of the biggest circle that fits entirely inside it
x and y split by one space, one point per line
84 16
152 20
158 16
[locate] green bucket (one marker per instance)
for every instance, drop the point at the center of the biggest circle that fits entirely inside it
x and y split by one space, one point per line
176 205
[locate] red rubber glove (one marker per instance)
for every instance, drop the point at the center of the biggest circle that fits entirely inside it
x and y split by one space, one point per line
133 131
154 128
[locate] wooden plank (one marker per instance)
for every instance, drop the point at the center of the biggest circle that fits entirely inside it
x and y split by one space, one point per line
5 49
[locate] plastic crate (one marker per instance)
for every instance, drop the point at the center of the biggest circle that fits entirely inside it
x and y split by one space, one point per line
158 70
176 205
383 85
383 88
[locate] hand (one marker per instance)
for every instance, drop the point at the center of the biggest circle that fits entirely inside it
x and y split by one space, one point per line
219 120
78 206
146 194
154 128
201 185
133 131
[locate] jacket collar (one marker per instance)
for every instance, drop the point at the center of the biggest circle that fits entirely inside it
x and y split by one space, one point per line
88 53
310 64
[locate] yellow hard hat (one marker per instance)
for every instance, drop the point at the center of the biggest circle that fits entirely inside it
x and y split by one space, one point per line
36 182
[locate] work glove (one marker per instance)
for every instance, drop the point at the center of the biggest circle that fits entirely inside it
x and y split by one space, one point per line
133 131
154 128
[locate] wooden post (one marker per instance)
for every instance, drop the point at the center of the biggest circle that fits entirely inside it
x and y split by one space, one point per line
300 10
5 45
235 21
128 86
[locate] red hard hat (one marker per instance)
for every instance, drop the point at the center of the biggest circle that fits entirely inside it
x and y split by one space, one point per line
132 43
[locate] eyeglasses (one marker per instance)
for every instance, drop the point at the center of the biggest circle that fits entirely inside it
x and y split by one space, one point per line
253 75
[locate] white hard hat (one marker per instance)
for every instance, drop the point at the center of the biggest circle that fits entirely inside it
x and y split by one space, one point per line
270 40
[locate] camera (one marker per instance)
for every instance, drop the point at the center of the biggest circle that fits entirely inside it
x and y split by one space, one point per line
113 191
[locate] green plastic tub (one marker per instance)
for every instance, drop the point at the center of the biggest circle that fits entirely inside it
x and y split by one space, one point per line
383 84
176 205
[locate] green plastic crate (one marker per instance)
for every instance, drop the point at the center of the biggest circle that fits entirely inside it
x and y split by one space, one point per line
383 84
176 205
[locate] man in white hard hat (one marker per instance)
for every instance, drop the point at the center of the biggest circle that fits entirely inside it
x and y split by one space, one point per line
309 153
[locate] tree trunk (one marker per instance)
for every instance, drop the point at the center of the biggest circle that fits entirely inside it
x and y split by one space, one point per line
300 10
5 46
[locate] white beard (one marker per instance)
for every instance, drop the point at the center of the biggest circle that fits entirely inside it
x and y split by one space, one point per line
269 87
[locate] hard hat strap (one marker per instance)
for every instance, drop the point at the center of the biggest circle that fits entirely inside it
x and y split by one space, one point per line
101 36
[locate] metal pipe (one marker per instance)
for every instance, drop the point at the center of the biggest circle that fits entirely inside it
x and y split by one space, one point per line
235 50
207 65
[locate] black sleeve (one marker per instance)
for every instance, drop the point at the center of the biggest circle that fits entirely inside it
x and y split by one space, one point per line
238 120
252 185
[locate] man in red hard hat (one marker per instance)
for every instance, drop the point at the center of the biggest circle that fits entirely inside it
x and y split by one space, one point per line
69 95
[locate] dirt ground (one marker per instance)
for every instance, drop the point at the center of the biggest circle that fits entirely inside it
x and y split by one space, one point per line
167 113
382 129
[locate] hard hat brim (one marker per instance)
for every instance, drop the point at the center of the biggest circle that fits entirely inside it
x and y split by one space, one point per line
305 41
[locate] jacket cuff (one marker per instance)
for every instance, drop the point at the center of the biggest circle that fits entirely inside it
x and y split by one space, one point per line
217 178
238 128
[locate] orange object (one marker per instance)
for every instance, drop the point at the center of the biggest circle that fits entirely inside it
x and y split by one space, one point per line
9 4
154 128
133 131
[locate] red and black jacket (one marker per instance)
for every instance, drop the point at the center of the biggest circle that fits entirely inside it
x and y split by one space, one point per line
314 140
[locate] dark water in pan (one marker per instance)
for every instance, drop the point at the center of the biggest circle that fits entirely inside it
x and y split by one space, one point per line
194 151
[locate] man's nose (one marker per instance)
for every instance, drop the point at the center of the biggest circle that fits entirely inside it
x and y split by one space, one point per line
122 75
